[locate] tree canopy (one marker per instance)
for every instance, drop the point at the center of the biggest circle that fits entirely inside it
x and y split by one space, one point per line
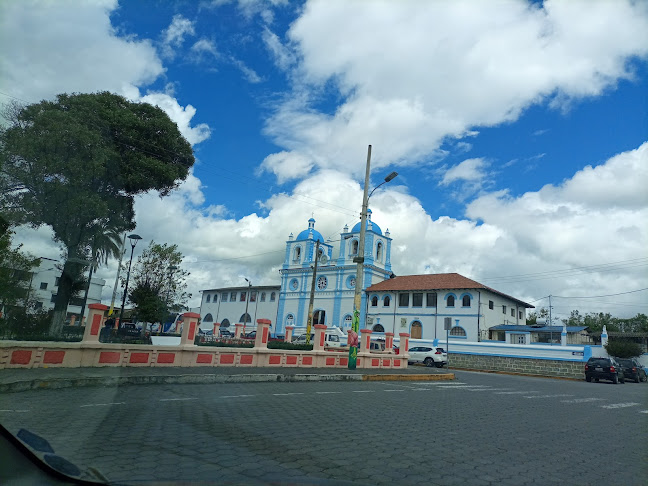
75 164
159 284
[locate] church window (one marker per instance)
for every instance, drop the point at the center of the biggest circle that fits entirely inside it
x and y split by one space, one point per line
374 301
431 299
386 301
207 300
253 296
272 297
354 247
224 297
379 252
465 302
450 301
297 254
403 300
233 297
458 331
263 296
243 296
417 299
208 318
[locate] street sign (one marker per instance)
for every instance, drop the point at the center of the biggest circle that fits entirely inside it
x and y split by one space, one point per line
447 324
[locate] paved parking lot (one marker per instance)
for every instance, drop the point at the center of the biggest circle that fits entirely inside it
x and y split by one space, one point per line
479 429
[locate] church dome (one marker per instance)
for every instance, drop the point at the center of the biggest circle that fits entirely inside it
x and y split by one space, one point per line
374 227
306 234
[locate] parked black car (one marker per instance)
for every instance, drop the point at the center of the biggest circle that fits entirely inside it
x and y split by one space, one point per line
632 369
604 369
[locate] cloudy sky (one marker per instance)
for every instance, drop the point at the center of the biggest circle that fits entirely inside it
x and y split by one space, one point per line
519 130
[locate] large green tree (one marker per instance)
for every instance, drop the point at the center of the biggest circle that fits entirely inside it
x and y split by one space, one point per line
159 283
15 271
74 164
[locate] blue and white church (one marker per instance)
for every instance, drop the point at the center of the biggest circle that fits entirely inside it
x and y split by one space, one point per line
335 276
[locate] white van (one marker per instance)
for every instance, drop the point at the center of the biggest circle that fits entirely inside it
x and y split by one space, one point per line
333 338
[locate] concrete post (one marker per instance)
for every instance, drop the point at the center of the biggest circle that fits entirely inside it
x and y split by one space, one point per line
262 333
389 342
318 341
365 340
403 347
563 336
289 334
238 330
604 336
93 326
189 328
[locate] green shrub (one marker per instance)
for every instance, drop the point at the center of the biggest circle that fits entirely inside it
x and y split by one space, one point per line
623 349
285 345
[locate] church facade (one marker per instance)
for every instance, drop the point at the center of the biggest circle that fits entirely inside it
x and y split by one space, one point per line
335 279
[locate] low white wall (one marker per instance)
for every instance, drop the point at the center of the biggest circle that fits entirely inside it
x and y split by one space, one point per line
562 353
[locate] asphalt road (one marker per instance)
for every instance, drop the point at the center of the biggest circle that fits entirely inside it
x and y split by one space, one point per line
479 429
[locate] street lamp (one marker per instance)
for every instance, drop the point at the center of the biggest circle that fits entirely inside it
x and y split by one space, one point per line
170 271
133 242
359 260
247 301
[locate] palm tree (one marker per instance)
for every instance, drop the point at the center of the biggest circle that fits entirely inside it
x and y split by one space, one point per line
104 243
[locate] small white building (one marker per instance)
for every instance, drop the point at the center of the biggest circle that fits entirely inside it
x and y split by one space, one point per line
227 306
44 286
419 304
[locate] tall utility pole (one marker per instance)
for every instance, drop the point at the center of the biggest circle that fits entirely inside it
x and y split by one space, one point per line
550 322
309 322
359 260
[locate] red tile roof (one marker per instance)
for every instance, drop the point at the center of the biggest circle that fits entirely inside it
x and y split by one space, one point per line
438 281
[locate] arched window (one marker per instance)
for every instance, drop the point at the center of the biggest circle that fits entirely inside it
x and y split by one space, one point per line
207 299
208 318
272 297
374 301
225 323
354 247
450 301
378 328
263 295
297 254
379 252
320 252
319 317
465 301
458 331
386 301
215 299
245 318
348 320
290 320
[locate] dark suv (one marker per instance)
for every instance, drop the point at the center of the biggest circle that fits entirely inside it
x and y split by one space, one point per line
604 369
632 369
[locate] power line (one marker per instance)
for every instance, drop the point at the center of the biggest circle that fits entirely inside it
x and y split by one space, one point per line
599 296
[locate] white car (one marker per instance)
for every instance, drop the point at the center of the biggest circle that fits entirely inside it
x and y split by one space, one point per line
429 356
331 340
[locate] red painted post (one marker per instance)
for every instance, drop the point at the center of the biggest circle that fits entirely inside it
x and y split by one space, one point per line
93 324
262 333
189 328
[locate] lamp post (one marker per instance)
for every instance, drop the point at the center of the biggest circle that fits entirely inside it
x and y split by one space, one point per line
247 301
359 260
170 271
133 241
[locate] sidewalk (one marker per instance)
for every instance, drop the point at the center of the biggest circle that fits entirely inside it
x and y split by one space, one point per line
15 380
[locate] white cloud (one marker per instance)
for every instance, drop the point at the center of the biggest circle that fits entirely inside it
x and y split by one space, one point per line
203 46
77 50
469 170
248 73
173 36
181 115
284 58
413 73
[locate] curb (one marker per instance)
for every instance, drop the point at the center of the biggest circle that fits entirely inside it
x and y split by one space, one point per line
514 373
115 381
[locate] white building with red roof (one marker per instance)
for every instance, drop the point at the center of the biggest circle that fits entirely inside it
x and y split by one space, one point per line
419 304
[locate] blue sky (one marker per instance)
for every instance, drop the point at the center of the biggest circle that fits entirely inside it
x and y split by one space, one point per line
490 112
